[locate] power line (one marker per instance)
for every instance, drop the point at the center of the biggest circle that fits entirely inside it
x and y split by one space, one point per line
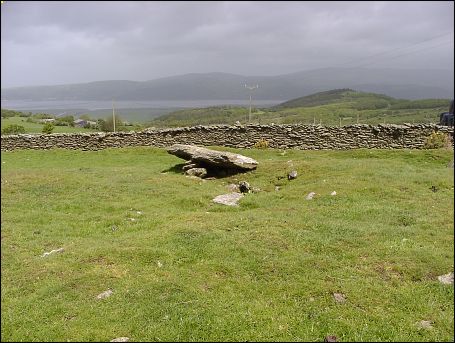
406 53
393 50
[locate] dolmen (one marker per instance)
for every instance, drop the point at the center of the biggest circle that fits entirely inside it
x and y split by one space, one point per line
202 162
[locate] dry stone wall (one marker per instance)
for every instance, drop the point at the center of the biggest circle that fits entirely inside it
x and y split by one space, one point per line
305 137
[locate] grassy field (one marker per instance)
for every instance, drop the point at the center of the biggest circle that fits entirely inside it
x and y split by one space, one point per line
37 128
183 268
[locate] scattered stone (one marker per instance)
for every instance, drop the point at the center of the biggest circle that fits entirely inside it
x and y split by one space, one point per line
333 193
139 212
434 189
160 265
310 195
199 172
52 252
244 187
330 339
292 175
105 294
277 188
339 297
233 188
121 339
425 324
446 279
114 227
189 165
255 190
212 157
229 199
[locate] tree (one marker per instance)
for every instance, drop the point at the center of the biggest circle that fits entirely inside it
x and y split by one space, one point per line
107 125
84 117
48 128
13 129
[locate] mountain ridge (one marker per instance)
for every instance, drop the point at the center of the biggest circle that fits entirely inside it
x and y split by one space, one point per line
399 83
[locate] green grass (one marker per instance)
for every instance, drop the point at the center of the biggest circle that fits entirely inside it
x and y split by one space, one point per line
37 127
263 271
330 108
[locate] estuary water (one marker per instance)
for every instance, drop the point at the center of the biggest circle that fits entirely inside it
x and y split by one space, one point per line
68 105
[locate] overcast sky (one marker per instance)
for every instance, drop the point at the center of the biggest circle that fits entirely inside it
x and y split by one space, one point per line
44 43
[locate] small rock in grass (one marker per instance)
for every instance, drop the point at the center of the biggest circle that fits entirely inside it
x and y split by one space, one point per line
330 339
333 193
310 195
230 199
233 187
52 251
446 279
244 187
159 264
425 324
121 339
292 175
198 172
105 294
339 297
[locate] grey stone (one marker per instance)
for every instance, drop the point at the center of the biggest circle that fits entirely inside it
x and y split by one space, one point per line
212 157
52 252
189 165
120 339
244 187
330 338
105 294
304 137
339 297
310 196
446 279
199 172
230 199
233 187
292 175
425 324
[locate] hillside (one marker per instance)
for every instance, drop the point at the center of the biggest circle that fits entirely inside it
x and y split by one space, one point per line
401 83
331 96
334 107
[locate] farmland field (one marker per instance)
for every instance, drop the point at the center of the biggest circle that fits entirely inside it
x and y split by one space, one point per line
182 268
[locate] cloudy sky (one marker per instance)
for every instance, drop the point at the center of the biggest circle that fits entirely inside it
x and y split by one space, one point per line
44 43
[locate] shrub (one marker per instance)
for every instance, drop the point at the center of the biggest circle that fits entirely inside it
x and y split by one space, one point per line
13 129
261 144
48 128
437 140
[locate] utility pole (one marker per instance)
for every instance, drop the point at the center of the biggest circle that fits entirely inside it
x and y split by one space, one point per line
250 88
113 114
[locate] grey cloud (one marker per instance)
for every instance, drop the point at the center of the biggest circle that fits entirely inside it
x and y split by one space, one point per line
67 42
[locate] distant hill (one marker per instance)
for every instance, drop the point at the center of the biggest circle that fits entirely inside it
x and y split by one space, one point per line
334 107
398 83
328 97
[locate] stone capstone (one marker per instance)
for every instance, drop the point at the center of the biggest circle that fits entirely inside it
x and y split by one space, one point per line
204 156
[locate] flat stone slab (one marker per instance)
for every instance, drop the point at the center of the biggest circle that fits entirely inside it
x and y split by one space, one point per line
213 158
446 279
229 199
